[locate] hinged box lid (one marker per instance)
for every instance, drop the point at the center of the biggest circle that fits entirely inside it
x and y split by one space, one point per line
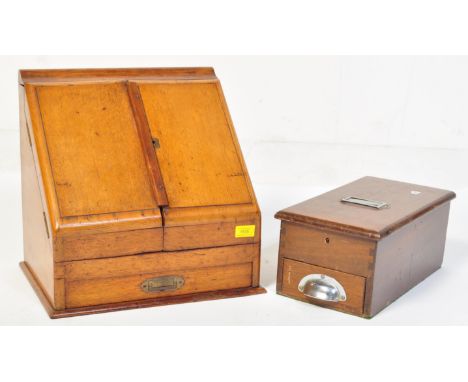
126 149
369 207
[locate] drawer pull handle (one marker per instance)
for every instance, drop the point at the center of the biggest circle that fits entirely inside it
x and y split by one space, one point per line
322 287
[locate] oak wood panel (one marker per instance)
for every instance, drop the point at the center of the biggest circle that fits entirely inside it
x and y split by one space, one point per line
111 222
160 262
94 149
111 74
279 266
110 290
197 155
111 244
59 296
37 246
41 160
71 225
235 139
157 184
146 303
407 201
207 235
327 249
256 270
174 217
408 256
294 271
38 288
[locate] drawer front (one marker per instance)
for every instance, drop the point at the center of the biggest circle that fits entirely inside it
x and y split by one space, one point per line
208 235
163 274
111 244
327 249
353 286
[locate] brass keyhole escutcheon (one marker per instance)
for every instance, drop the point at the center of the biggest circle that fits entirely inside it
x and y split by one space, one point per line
155 142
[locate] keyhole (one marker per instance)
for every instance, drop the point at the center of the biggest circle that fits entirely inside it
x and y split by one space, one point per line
327 240
155 142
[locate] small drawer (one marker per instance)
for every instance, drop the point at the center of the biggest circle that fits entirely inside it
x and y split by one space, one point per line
154 275
348 290
327 249
111 244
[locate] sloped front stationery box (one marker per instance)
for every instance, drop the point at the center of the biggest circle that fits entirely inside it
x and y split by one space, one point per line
135 192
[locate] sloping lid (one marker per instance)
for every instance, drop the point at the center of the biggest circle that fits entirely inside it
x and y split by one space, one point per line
125 149
201 164
91 157
401 203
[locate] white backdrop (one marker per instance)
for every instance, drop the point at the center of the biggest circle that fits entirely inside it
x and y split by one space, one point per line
305 124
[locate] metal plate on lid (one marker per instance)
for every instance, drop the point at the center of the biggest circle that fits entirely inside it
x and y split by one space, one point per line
365 202
362 212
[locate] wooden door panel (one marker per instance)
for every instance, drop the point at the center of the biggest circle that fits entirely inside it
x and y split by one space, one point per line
94 149
198 158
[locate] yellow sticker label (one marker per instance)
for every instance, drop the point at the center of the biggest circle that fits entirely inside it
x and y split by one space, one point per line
245 231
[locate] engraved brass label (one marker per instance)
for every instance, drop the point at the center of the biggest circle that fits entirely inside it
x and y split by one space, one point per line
163 283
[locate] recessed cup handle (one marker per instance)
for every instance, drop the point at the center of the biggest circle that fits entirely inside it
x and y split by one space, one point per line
322 287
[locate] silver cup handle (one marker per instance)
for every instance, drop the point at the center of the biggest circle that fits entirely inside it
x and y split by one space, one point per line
322 287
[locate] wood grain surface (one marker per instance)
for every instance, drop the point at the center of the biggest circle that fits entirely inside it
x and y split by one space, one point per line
160 262
111 74
406 202
37 243
95 246
137 304
197 155
147 144
106 291
92 282
327 248
208 235
94 149
407 257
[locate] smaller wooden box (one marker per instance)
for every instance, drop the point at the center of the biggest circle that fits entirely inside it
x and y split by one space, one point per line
359 247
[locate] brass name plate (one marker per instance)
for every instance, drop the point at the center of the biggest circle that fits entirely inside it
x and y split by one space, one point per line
163 283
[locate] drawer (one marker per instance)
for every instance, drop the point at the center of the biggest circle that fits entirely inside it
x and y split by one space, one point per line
111 244
163 274
208 235
353 286
327 249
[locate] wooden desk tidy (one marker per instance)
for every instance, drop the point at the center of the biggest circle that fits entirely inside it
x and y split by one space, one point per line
135 192
359 247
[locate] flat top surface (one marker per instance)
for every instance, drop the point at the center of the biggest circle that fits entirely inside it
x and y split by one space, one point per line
405 202
59 75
